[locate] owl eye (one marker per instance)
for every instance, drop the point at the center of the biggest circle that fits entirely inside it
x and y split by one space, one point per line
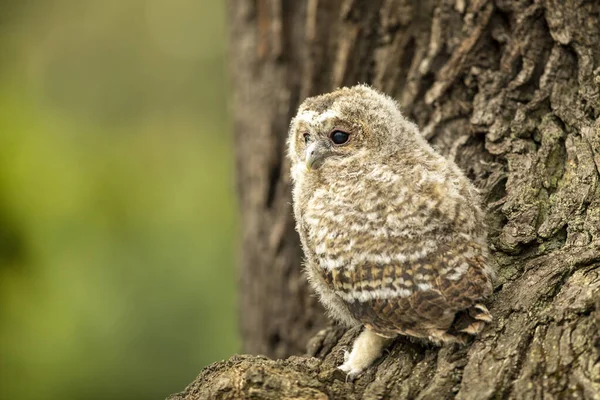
306 138
339 137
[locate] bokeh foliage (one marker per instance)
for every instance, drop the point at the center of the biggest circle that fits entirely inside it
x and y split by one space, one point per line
116 198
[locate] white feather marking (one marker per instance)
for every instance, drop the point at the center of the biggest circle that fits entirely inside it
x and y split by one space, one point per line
323 233
330 264
327 115
306 117
366 295
374 216
369 258
458 272
312 220
321 249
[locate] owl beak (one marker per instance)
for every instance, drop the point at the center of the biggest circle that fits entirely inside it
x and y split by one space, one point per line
315 155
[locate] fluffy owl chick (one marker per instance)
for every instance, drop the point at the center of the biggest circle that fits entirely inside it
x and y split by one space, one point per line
392 232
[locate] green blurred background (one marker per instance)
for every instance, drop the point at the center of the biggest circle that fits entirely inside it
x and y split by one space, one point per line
117 217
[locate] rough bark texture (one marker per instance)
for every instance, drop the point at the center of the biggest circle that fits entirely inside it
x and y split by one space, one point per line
511 90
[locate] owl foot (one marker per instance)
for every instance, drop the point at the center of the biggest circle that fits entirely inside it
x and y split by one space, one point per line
346 368
480 312
473 320
474 328
441 337
366 349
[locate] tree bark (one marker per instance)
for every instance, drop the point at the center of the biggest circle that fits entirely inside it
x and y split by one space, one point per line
508 88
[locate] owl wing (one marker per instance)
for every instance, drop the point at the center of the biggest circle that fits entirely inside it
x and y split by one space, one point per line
418 298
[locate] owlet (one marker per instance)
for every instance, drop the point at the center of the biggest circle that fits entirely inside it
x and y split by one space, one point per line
392 232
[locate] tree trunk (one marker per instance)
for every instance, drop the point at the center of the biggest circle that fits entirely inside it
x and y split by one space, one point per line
511 90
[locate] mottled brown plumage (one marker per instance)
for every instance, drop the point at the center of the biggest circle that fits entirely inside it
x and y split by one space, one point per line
392 231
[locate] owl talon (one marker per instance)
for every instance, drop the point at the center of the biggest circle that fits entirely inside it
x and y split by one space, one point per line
351 371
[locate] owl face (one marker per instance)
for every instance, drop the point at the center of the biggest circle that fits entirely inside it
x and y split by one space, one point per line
325 138
350 122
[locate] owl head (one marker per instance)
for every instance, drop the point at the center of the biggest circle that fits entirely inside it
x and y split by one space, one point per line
332 129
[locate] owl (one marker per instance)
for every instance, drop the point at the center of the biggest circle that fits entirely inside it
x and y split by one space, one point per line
392 232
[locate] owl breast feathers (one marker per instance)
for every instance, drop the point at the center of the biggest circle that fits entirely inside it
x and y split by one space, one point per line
392 232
